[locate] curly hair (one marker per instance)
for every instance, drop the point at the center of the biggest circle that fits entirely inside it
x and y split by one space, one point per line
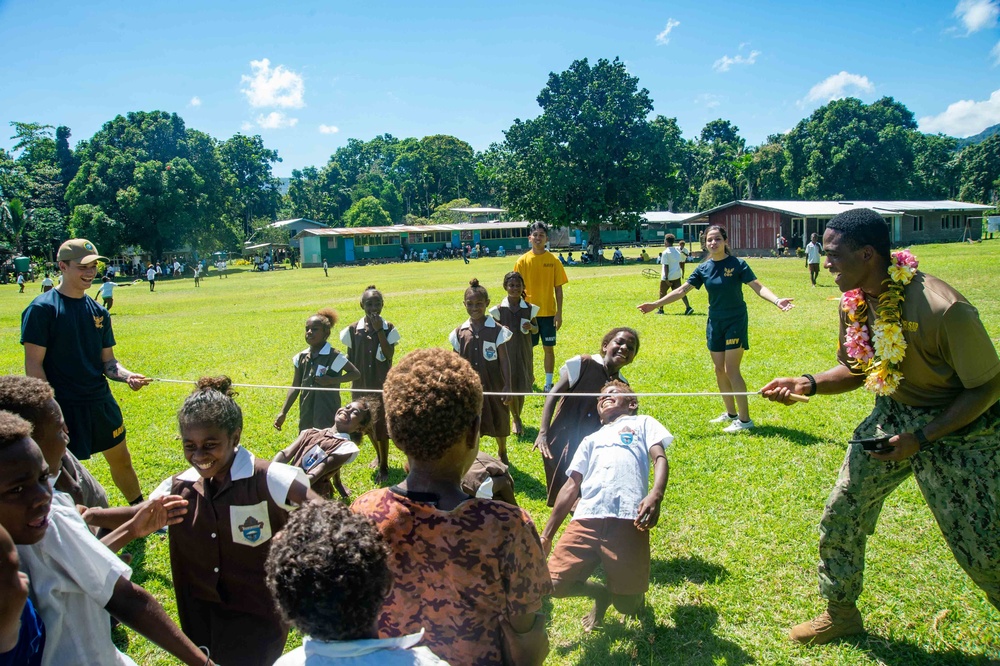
13 429
212 403
328 572
28 397
431 399
863 226
624 387
475 289
371 410
610 335
329 318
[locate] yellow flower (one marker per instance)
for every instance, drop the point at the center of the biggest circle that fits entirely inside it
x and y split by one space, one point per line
883 380
889 342
901 274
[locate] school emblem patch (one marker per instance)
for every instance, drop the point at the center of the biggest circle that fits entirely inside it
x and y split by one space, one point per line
250 525
728 272
490 351
626 435
98 322
315 455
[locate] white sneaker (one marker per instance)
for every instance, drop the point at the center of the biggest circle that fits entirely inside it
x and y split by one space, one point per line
547 388
738 425
724 418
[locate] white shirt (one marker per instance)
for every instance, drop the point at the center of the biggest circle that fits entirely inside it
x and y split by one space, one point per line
107 288
73 576
614 463
400 651
670 260
338 362
812 253
151 274
47 282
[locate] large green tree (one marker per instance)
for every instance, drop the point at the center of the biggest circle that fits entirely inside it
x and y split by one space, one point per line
981 172
366 212
589 158
253 190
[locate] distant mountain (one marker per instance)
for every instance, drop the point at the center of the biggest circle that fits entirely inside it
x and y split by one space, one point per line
978 138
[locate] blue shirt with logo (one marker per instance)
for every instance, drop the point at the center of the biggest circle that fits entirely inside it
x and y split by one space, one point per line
724 282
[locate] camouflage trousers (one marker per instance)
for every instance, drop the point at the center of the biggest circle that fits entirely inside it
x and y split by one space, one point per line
959 477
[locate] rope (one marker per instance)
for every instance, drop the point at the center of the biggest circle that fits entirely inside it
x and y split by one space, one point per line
693 394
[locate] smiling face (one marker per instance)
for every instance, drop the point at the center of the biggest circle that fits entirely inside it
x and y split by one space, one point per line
25 495
715 243
317 331
615 402
209 448
514 287
77 277
538 239
371 303
351 418
476 304
848 266
619 351
51 435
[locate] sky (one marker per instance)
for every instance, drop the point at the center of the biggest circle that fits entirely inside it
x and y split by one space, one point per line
309 75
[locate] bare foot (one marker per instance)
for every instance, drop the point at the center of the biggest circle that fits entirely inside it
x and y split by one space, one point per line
595 618
518 427
373 464
381 477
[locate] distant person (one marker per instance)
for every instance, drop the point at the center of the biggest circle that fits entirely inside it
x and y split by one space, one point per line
670 271
106 291
151 274
643 256
326 268
47 283
686 257
562 259
220 266
813 250
329 573
20 283
618 257
544 277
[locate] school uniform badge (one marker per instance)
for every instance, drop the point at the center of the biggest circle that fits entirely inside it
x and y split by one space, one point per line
490 351
626 435
250 525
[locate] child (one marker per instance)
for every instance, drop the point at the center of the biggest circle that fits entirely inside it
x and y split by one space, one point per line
371 344
22 634
75 582
481 341
197 274
576 417
217 553
20 283
321 453
318 365
468 571
151 274
609 483
490 479
328 571
47 283
107 289
519 317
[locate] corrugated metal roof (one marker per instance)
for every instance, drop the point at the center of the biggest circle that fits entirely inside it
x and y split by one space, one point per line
831 208
480 209
298 220
665 216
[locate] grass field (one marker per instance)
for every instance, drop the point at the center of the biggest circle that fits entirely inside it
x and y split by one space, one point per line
734 556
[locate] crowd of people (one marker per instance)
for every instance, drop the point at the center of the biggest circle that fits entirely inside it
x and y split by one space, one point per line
444 567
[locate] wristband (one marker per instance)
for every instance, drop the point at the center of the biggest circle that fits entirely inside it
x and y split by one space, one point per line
922 439
812 384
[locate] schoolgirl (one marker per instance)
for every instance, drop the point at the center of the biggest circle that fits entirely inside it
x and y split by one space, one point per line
519 317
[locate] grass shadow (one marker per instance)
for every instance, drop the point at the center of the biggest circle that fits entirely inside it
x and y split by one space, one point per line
791 434
526 484
691 641
140 574
902 653
691 569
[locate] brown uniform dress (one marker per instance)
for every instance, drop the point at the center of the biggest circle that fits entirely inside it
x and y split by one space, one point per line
320 454
217 556
519 351
574 418
365 352
482 351
317 409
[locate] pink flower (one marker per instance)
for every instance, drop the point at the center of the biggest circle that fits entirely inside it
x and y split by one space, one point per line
905 258
856 342
851 300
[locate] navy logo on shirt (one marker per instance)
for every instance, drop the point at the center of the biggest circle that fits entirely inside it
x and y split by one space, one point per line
728 272
98 322
251 529
627 435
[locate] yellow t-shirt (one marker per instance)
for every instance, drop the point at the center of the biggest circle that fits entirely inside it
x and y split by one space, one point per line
947 348
542 273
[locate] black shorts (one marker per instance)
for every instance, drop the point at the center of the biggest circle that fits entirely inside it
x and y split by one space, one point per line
94 427
727 333
546 332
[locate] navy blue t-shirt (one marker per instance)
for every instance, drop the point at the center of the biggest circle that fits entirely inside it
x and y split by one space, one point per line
30 642
73 331
724 282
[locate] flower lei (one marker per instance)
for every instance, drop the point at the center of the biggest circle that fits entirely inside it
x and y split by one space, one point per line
879 353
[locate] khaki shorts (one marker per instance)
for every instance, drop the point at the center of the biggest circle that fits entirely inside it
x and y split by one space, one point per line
616 544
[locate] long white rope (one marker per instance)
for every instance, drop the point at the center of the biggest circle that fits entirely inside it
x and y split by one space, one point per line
693 394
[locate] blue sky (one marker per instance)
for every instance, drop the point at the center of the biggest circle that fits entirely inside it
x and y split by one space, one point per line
309 75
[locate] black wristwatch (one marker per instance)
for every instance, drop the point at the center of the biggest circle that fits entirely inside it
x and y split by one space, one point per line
921 439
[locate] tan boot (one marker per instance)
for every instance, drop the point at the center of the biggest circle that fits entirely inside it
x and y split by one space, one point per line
837 621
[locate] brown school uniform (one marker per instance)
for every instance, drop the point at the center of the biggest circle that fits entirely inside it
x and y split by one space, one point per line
317 409
478 481
365 352
217 556
574 418
519 350
315 447
481 349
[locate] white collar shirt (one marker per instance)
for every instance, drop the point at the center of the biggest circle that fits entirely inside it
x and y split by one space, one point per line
399 651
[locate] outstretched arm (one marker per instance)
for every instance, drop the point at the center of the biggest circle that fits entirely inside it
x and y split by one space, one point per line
567 496
785 304
542 440
675 295
838 379
116 372
293 393
649 507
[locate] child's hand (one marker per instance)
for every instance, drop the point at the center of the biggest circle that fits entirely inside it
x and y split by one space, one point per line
154 514
649 514
542 444
546 545
279 421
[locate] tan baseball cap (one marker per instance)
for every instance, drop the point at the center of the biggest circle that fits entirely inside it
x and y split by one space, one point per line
79 249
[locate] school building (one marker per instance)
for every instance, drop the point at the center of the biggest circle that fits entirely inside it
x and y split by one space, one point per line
754 226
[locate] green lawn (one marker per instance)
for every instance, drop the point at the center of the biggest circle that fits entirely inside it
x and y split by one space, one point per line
734 558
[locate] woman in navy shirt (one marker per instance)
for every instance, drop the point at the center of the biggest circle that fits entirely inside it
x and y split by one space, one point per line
724 276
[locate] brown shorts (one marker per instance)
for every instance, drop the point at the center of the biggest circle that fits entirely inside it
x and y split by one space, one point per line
615 543
666 286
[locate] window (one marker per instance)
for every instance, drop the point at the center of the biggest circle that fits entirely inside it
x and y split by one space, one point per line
376 239
918 222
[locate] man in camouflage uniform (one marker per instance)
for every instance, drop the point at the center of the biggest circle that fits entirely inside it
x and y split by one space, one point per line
944 419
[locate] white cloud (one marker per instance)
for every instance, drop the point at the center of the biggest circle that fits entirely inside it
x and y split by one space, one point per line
977 15
725 62
664 37
965 117
195 101
273 87
995 54
708 100
328 129
276 120
839 86
246 126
